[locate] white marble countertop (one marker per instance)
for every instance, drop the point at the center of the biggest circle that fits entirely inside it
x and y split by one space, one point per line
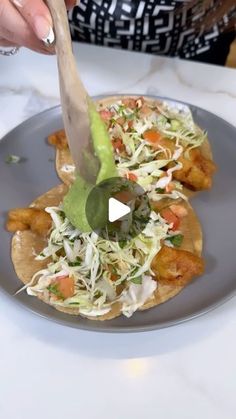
47 370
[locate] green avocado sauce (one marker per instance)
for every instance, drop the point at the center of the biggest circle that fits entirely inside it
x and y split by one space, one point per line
74 202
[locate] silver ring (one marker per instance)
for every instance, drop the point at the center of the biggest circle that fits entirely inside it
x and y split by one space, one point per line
9 52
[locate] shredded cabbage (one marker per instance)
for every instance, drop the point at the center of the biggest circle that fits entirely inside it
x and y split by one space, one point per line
102 265
136 295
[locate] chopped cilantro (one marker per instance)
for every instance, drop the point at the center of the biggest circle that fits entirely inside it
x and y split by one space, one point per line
61 214
98 294
53 288
160 190
137 280
122 243
11 159
113 121
176 240
121 109
130 116
77 262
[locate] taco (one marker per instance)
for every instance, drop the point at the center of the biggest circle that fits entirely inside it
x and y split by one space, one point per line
155 142
83 274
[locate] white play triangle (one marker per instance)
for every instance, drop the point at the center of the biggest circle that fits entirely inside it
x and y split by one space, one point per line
116 210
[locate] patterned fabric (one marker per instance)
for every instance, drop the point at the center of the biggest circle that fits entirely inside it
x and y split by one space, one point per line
160 27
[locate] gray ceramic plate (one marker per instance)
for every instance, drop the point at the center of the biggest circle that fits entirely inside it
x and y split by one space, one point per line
21 183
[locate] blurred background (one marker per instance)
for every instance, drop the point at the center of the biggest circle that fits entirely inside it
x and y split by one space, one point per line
231 61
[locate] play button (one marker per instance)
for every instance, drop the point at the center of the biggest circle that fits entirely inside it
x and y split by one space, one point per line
117 209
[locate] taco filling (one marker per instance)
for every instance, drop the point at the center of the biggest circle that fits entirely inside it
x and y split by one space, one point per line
85 274
156 144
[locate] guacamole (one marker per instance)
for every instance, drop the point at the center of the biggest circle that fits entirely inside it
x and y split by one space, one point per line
74 203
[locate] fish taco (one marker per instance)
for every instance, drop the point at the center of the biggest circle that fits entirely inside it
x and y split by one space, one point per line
78 269
154 143
84 274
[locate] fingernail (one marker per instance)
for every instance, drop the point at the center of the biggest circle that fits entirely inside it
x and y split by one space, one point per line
50 38
17 3
44 30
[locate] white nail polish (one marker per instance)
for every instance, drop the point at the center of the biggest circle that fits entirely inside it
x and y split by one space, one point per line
17 3
50 38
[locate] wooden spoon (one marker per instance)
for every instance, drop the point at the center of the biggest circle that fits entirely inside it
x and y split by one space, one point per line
74 97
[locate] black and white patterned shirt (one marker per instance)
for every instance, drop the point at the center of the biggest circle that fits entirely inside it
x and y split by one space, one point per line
154 26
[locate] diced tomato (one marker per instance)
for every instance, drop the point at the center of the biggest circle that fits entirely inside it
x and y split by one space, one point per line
118 145
179 210
113 273
129 102
114 277
152 136
171 218
124 196
132 176
106 115
65 286
130 123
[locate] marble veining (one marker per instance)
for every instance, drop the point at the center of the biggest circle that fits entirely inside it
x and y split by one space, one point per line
203 89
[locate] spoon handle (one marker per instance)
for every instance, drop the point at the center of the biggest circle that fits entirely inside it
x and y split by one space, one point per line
74 97
66 61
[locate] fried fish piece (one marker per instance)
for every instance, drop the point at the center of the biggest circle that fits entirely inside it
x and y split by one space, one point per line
176 267
59 140
197 170
34 219
13 226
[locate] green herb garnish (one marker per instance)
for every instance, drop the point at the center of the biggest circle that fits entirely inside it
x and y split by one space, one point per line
129 117
98 294
61 214
176 240
113 121
160 190
53 288
122 243
12 159
137 280
77 262
121 109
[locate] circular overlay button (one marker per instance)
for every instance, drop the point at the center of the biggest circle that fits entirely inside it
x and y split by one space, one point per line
118 209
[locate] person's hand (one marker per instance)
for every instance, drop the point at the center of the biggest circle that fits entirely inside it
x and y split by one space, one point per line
27 23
